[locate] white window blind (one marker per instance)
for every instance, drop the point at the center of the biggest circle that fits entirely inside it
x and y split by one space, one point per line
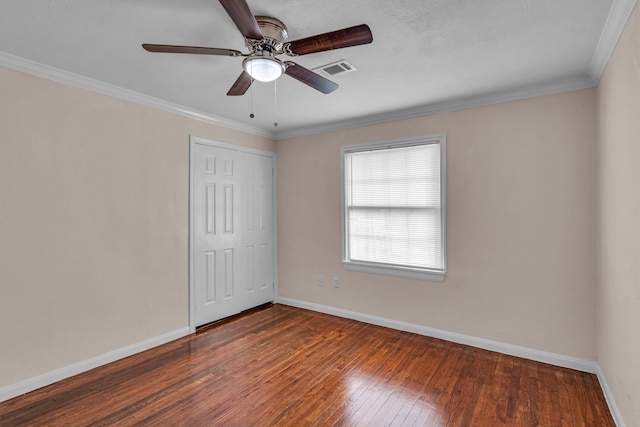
393 213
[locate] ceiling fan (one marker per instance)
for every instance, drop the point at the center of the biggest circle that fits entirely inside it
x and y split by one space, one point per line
265 37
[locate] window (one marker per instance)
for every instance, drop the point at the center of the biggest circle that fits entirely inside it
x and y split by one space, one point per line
393 208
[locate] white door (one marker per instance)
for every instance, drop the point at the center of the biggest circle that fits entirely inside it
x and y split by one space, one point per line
233 253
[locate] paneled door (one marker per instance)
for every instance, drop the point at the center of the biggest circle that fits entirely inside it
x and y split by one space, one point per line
232 230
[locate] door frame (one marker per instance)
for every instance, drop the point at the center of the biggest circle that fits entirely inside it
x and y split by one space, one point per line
193 140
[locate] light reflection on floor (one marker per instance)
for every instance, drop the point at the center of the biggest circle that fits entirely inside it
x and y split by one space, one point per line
372 402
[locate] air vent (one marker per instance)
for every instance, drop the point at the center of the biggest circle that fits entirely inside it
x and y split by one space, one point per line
338 67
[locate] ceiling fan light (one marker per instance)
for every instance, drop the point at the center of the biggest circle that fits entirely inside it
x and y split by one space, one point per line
263 69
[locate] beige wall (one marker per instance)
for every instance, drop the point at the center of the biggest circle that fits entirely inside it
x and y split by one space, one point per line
619 231
93 223
521 225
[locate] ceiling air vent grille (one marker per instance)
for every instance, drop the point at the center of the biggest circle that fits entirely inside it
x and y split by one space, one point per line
334 68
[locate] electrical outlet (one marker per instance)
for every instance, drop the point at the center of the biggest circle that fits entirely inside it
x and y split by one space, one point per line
320 281
336 282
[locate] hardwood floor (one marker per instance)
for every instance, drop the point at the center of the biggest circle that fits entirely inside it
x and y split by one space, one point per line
286 366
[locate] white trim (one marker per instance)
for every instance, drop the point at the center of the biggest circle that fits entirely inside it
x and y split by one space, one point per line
43 380
47 378
33 68
619 14
408 273
616 21
193 140
36 69
512 350
615 413
275 225
583 365
439 139
241 148
515 94
192 264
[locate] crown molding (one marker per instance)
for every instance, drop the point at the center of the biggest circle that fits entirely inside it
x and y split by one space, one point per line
37 69
616 21
515 94
619 14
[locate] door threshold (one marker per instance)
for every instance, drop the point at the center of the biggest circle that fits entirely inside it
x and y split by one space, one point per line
233 317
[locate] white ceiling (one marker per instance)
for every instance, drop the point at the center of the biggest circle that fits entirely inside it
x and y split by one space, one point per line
424 52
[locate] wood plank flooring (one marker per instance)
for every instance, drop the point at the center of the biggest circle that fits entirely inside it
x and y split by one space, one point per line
284 366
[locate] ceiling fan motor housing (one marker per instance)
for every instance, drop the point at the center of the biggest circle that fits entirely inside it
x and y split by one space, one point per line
274 32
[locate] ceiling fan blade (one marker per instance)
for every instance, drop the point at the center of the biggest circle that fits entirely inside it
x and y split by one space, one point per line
241 85
352 36
310 78
241 15
164 48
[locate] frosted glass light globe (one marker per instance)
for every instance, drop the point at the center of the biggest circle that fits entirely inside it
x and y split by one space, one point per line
263 69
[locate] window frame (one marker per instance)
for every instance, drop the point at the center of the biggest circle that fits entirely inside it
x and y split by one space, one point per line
390 269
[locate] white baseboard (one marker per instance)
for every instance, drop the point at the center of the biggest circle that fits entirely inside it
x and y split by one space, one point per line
512 350
34 383
617 416
31 384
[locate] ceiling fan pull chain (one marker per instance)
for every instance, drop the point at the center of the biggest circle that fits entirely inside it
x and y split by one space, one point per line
251 115
275 101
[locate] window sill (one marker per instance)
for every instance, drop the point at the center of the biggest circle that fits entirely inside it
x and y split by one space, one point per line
409 273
